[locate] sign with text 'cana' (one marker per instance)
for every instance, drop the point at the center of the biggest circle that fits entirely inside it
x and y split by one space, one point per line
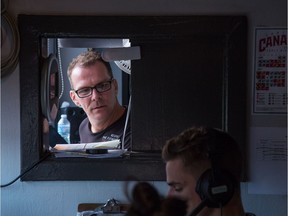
270 73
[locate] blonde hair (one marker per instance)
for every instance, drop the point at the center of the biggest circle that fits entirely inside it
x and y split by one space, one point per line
87 59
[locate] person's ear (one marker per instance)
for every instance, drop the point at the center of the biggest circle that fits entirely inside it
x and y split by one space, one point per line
74 98
116 86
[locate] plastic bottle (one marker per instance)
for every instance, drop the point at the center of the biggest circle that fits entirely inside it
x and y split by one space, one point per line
63 128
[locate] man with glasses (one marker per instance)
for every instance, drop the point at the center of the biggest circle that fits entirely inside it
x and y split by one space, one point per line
94 89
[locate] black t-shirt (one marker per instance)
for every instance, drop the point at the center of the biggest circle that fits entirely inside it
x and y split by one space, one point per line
114 131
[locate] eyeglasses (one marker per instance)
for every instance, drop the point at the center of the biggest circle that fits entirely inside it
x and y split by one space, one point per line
100 88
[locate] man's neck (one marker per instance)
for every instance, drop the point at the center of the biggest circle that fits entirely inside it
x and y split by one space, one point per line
233 208
116 114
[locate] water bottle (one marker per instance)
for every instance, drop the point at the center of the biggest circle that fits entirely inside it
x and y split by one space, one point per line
63 128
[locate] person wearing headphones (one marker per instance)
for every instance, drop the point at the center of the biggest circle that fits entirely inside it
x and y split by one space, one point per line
204 168
94 89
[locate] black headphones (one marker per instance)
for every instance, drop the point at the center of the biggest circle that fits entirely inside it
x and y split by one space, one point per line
215 186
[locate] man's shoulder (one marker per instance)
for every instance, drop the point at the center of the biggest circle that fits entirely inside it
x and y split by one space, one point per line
84 124
249 214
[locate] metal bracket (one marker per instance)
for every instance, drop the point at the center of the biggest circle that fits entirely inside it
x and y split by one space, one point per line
111 206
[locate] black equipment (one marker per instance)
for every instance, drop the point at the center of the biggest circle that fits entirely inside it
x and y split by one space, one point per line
215 186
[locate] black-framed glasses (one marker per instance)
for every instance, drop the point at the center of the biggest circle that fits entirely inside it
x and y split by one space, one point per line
100 88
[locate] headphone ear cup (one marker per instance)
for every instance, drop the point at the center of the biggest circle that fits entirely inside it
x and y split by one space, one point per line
215 187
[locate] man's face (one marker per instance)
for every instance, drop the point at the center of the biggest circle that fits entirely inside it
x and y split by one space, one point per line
182 183
97 106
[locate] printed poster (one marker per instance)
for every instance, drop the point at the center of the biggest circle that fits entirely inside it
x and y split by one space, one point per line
270 78
268 160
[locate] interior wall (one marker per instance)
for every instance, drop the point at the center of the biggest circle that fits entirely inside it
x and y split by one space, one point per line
62 198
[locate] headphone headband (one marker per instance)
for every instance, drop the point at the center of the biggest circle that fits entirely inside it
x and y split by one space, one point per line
215 186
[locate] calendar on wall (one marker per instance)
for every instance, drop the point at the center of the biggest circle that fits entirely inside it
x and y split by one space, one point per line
270 73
